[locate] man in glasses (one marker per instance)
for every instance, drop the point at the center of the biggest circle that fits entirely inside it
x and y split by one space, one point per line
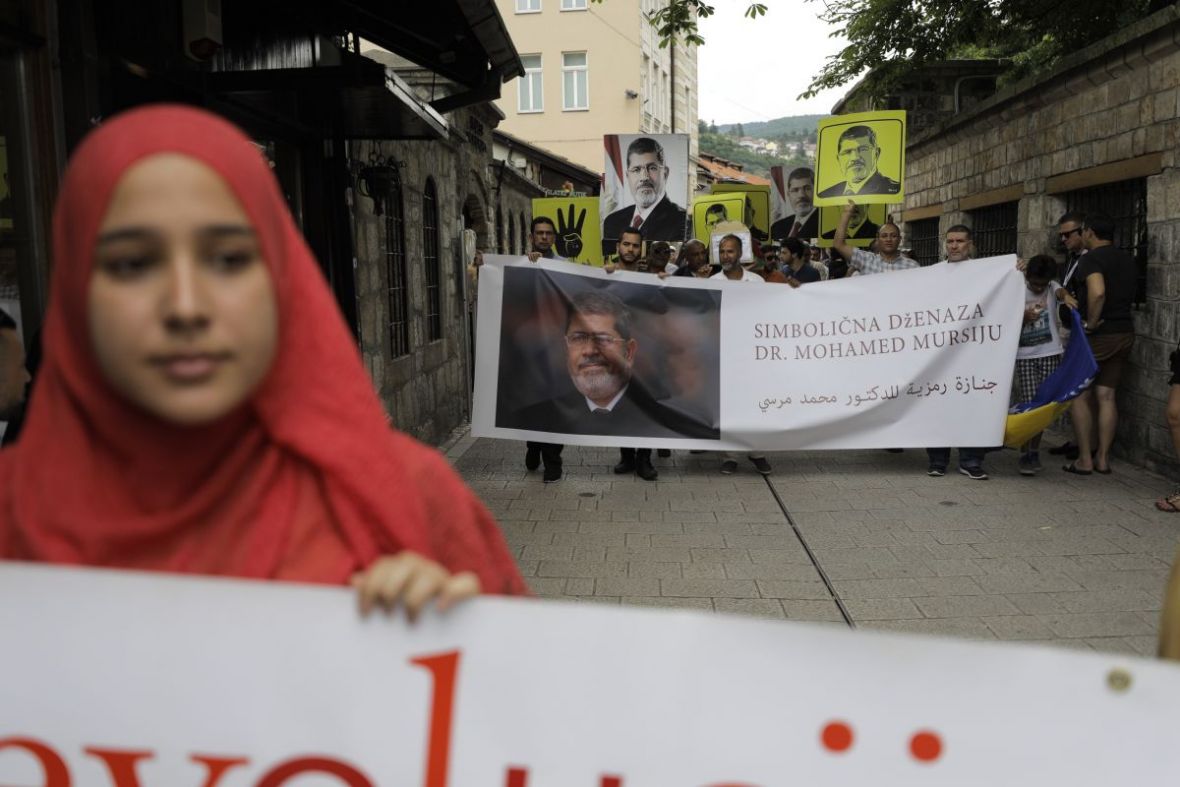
600 352
646 175
1069 232
859 154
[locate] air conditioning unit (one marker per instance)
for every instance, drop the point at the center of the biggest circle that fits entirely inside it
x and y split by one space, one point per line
201 25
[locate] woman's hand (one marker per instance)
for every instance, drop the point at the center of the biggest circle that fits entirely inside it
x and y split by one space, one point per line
410 580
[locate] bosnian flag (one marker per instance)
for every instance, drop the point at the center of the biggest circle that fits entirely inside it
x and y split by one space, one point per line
1074 375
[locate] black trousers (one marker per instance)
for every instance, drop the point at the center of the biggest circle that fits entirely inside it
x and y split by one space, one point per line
550 452
630 454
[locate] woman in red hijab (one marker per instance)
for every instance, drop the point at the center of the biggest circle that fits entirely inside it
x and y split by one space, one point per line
201 407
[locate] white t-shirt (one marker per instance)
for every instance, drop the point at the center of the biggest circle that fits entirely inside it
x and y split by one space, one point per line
746 276
1041 337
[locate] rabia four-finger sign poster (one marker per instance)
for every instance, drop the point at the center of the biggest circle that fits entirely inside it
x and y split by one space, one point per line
577 225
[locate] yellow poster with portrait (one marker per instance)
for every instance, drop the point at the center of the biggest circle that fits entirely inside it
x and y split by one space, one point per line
862 225
756 214
577 225
861 157
710 210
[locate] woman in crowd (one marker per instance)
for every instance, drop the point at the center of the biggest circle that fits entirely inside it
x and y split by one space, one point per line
201 407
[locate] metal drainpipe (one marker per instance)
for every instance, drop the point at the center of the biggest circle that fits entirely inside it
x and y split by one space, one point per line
672 86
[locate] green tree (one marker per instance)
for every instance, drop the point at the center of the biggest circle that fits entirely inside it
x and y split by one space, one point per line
738 131
893 37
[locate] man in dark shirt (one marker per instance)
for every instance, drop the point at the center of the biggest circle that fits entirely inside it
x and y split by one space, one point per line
797 262
1106 279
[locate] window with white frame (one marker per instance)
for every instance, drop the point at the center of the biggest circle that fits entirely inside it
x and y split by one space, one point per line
529 6
530 87
571 5
575 81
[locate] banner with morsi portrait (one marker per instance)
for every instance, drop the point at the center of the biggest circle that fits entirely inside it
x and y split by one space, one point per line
118 679
906 359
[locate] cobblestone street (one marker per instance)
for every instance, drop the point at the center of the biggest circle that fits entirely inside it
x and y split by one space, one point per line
1080 562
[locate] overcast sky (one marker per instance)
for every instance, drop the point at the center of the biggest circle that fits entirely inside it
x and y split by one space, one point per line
753 69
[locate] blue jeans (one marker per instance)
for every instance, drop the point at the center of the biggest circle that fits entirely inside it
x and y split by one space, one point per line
968 457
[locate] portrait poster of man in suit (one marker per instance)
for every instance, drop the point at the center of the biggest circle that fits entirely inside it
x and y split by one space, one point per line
709 210
862 226
793 196
861 157
756 214
582 356
645 187
577 226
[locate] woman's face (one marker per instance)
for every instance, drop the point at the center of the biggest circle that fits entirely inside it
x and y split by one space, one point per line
182 308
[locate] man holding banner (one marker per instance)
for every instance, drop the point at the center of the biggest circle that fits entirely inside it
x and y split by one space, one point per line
542 235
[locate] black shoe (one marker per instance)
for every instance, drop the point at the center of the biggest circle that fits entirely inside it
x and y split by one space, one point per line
532 458
663 453
728 467
624 467
974 473
936 471
761 465
644 470
552 474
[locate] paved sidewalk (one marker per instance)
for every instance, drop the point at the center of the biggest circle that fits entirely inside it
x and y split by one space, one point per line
1069 560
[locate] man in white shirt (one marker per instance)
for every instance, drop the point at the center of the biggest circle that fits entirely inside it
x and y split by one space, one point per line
729 250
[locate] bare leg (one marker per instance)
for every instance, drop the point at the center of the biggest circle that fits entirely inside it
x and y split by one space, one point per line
1108 421
1172 501
1082 413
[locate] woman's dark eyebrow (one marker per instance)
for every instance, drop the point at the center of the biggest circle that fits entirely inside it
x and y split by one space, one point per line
126 233
142 233
224 230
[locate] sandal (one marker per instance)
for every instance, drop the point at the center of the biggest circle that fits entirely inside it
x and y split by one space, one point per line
1072 467
1169 504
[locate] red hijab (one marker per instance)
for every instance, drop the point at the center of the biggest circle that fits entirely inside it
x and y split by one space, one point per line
309 468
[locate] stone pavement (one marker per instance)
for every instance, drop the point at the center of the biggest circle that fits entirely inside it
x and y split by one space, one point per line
1080 562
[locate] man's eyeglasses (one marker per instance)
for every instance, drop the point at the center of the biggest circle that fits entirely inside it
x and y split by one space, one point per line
1067 233
600 340
650 169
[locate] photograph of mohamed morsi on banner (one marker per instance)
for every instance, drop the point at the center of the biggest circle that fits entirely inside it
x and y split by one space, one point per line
645 186
604 356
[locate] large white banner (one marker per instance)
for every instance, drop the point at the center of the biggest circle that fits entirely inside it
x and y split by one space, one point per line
569 354
123 680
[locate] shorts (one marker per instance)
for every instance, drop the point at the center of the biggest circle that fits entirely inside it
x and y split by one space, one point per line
1111 351
1030 373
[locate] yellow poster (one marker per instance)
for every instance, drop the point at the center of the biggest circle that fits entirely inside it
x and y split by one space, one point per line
862 225
576 221
757 211
861 157
709 211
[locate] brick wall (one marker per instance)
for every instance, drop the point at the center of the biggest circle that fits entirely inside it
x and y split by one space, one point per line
1109 113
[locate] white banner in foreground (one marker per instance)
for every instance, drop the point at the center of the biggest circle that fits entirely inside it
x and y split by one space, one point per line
140 679
575 355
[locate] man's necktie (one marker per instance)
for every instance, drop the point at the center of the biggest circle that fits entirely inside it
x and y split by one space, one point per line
794 233
635 222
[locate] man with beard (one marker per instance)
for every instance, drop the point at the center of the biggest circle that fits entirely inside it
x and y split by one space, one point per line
647 179
607 400
804 219
729 250
859 154
632 460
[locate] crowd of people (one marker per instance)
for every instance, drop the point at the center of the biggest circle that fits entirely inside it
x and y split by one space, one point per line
1097 278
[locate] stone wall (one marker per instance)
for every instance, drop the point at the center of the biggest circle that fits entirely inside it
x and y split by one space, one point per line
427 392
1109 113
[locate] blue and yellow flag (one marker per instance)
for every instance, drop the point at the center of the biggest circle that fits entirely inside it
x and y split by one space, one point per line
1074 375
